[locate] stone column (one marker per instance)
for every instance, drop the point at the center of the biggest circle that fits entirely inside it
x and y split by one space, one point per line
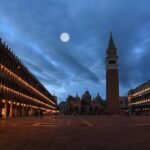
28 111
11 110
1 106
31 111
5 109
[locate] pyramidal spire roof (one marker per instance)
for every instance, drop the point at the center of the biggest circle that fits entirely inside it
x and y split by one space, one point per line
111 43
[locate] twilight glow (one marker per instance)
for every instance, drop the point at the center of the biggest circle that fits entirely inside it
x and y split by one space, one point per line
70 65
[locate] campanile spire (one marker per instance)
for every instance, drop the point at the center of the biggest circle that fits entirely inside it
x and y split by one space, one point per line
112 79
111 43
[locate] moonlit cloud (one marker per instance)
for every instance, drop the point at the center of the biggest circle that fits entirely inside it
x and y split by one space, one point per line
32 29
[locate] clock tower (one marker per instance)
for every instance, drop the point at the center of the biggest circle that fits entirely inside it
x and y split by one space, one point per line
112 79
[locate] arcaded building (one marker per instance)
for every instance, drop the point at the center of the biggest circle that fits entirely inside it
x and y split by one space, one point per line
139 98
21 94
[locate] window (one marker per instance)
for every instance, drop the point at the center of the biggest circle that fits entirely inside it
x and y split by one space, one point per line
112 62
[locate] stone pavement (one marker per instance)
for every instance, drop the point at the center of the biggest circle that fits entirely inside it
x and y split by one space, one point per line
76 133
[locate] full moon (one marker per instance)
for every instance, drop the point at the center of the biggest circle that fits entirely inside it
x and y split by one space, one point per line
65 37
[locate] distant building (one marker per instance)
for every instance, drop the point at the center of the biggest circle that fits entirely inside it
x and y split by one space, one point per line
96 105
124 103
77 105
85 105
62 107
139 98
73 105
112 79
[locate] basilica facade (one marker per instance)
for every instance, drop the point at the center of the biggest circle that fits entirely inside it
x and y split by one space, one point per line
84 105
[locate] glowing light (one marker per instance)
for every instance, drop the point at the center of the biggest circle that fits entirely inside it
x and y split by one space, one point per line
25 83
19 80
65 37
26 96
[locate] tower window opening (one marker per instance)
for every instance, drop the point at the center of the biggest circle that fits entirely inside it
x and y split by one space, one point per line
112 62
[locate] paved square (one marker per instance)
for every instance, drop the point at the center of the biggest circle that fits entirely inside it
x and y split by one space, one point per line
76 133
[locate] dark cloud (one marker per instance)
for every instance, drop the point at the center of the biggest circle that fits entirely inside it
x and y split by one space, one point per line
32 30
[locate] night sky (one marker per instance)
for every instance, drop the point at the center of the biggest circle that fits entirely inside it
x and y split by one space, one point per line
32 29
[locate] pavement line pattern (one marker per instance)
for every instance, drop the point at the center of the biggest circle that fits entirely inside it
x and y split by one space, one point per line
124 125
47 124
36 124
88 123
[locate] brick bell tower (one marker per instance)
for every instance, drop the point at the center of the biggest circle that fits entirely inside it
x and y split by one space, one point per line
112 80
